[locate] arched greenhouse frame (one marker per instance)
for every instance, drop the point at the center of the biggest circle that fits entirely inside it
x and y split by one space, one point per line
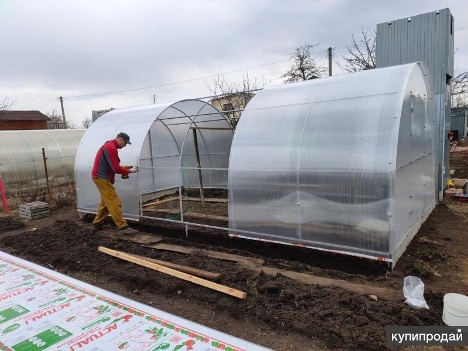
344 164
178 147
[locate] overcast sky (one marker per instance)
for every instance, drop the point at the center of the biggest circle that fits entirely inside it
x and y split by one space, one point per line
171 50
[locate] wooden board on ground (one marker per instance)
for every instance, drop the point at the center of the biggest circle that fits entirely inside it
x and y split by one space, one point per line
207 200
176 198
215 254
190 270
158 202
381 293
138 238
173 272
205 216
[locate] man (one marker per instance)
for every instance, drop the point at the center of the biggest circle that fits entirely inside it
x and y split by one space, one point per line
106 165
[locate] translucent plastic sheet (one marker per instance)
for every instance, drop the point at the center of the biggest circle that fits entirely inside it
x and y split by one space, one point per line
22 161
162 146
343 163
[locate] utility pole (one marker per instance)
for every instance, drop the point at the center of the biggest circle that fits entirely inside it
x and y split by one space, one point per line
330 53
63 113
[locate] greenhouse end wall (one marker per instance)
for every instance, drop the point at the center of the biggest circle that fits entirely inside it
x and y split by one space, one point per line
345 163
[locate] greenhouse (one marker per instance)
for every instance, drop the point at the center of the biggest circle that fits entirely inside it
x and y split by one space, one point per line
344 164
179 147
27 156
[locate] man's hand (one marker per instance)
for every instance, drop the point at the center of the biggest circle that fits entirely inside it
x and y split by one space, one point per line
134 169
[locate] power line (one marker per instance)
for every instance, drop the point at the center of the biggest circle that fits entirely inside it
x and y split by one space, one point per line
40 103
174 83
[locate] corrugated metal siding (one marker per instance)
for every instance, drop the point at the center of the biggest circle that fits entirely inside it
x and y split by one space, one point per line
459 122
429 38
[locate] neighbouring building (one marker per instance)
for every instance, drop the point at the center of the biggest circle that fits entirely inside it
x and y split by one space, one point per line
459 122
98 113
23 120
232 105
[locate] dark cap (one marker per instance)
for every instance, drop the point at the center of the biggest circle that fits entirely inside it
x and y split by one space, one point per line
125 137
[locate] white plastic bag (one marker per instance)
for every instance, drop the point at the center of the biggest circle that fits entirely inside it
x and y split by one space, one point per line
413 290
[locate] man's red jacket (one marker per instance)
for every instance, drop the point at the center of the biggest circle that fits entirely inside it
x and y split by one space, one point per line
107 162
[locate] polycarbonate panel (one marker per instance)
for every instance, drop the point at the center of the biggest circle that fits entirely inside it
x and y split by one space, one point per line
158 134
314 163
136 122
22 161
214 135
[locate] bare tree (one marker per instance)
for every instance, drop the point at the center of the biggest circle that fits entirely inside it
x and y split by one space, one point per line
231 98
460 90
56 121
7 103
304 66
361 53
86 123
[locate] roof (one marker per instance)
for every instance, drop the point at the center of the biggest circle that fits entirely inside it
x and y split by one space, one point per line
8 115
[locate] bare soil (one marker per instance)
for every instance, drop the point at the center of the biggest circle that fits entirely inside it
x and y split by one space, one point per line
279 312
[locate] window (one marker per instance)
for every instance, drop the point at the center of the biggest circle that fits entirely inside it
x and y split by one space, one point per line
228 107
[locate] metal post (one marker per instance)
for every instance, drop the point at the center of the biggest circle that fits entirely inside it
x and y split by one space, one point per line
330 53
46 174
63 113
197 153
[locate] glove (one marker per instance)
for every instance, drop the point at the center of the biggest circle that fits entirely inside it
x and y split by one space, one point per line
134 169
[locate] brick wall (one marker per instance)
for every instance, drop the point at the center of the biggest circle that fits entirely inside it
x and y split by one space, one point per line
22 125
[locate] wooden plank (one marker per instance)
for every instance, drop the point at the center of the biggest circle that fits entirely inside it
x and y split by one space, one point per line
143 239
382 293
190 214
138 238
205 216
190 270
174 273
209 253
174 198
166 210
207 200
158 202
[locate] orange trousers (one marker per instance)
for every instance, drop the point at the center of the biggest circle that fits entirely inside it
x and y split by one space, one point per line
110 203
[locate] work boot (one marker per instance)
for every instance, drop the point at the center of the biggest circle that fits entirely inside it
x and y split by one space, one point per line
127 230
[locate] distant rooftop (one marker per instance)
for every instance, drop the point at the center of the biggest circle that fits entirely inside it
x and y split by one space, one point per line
8 115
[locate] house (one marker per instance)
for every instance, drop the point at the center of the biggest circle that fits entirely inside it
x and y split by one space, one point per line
22 120
232 104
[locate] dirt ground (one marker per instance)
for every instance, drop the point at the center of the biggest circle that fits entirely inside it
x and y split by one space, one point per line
282 311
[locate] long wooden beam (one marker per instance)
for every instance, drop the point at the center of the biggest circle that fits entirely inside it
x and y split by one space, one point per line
190 270
174 273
